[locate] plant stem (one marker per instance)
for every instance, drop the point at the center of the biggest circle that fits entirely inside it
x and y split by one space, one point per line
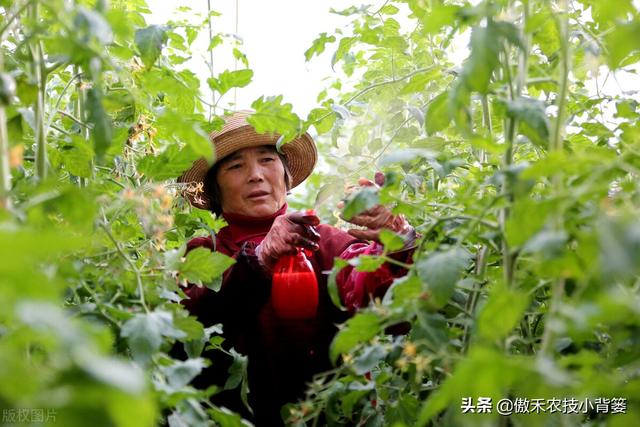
13 17
128 260
5 172
556 144
80 118
212 108
41 82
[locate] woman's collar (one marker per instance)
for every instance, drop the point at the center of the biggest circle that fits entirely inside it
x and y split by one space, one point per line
241 227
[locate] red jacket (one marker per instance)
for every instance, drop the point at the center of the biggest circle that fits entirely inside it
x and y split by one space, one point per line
283 354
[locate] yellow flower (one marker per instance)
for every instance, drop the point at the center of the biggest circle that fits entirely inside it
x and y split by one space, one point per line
15 156
166 201
409 349
402 363
160 191
421 363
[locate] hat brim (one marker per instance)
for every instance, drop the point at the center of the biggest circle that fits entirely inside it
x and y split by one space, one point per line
301 154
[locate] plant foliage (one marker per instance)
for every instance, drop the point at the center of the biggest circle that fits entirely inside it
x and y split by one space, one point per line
517 167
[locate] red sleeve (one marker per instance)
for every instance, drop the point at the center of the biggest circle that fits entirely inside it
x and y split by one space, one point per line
357 288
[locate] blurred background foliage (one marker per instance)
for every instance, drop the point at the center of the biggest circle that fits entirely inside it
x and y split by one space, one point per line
518 167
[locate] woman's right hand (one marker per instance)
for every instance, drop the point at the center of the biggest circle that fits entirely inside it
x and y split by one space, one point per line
288 232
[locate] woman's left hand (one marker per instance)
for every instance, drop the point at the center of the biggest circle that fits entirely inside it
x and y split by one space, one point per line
378 217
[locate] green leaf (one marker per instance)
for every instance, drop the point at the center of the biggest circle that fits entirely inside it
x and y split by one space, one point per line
238 376
619 247
203 265
482 372
348 400
318 45
531 113
432 329
92 23
391 241
215 41
546 33
367 262
117 373
437 116
102 131
359 329
603 13
77 157
405 156
144 333
322 119
343 49
149 42
225 418
180 373
168 164
622 42
332 287
360 201
440 272
190 326
237 371
404 291
548 243
483 60
368 359
527 218
176 127
502 312
417 83
440 16
230 79
389 10
509 32
273 117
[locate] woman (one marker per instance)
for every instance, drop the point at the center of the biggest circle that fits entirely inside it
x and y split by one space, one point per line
247 186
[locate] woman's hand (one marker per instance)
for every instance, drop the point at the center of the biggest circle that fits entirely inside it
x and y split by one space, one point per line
378 217
288 232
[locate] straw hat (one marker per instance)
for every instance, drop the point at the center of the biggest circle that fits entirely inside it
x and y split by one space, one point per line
236 134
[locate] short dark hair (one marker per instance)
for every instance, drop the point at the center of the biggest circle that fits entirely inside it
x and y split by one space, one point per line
212 189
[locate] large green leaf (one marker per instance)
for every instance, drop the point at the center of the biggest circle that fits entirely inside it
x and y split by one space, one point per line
271 116
77 158
322 119
440 15
533 119
102 127
144 333
440 272
168 164
180 373
502 312
479 67
230 79
149 42
359 329
360 201
437 116
318 45
202 265
623 40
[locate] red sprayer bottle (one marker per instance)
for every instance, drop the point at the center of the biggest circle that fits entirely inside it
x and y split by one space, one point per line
294 291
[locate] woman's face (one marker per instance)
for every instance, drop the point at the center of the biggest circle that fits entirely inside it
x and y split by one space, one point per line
252 182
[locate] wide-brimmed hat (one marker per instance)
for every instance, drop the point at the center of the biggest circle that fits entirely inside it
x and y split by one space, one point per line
236 134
